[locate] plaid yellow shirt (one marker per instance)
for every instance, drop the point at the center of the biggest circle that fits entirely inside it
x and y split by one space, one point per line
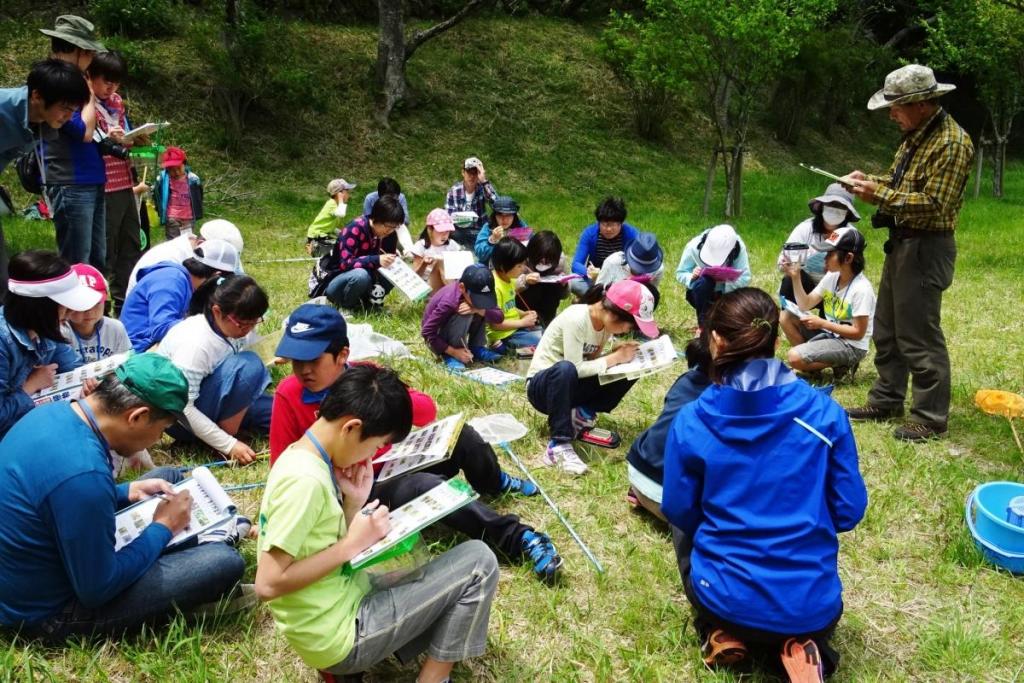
931 192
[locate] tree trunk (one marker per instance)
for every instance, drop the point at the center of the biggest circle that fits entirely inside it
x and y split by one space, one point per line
391 86
709 184
998 165
393 51
979 166
737 182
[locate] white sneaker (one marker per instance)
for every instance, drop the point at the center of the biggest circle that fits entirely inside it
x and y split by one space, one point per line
562 455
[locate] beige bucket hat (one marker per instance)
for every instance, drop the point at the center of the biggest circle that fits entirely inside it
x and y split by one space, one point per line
911 83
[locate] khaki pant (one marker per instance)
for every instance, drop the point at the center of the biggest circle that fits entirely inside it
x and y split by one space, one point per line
908 332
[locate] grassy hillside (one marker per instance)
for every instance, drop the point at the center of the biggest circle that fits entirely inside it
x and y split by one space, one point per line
553 129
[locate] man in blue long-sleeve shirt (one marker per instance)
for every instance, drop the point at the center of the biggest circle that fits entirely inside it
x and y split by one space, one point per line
60 575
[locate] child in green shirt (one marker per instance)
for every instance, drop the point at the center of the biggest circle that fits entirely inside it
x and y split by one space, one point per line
519 328
322 232
314 518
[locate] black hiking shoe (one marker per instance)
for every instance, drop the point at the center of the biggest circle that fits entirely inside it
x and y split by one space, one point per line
874 413
917 431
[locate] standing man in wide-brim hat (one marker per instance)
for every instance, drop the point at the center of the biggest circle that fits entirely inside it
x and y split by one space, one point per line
918 201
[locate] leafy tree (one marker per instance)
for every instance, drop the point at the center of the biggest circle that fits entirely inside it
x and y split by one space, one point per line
986 39
729 52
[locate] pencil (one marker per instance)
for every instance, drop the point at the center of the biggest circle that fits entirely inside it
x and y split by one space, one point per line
523 301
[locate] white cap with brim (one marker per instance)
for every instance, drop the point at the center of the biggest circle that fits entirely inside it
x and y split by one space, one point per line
718 244
220 229
220 255
67 290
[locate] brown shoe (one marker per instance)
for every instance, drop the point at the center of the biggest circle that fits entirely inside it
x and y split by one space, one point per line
917 431
875 413
722 649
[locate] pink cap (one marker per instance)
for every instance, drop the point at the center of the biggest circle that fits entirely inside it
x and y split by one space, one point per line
173 156
637 300
440 220
91 278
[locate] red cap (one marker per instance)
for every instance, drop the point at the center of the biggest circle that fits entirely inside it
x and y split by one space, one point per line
173 156
91 278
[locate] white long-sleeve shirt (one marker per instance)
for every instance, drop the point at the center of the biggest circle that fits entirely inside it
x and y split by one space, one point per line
572 337
197 350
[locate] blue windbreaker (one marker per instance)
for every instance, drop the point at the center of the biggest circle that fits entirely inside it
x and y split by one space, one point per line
762 474
158 302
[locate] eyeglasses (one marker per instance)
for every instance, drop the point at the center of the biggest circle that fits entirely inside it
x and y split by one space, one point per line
245 323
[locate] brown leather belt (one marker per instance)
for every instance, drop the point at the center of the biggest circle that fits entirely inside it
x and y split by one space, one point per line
911 233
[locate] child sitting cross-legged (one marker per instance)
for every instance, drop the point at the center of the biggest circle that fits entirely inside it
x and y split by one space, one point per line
761 476
317 514
453 321
544 257
841 339
563 381
316 342
518 329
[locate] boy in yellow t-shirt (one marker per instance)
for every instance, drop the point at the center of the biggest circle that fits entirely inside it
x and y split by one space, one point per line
314 518
519 328
323 230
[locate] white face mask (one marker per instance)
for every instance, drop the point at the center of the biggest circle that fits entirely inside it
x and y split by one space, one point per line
341 210
543 267
832 215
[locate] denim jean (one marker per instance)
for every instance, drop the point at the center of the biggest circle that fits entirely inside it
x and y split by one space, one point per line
558 389
445 611
80 219
237 383
357 288
579 287
178 580
523 337
475 458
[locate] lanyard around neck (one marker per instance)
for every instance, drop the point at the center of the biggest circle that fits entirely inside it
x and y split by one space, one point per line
91 418
327 461
99 344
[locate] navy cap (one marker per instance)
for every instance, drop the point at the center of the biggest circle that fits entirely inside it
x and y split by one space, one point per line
309 330
505 204
479 283
644 255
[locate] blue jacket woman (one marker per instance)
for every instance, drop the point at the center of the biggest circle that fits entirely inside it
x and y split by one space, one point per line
761 475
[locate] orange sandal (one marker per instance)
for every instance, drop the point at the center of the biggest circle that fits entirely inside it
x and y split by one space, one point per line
723 649
802 661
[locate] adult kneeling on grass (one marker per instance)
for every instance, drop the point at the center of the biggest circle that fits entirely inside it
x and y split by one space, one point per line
60 575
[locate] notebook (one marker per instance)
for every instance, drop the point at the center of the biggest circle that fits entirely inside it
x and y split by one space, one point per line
417 514
422 448
211 507
68 385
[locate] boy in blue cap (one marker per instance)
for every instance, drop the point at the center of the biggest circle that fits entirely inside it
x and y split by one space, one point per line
316 342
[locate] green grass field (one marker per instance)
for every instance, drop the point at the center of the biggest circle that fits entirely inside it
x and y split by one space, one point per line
553 127
920 603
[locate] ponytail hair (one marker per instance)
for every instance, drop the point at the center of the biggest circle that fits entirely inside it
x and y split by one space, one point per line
747 320
596 295
237 295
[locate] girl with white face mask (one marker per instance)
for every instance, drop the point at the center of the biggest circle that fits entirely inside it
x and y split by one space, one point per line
832 210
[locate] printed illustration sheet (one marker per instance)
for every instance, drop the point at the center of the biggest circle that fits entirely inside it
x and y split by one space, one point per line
211 507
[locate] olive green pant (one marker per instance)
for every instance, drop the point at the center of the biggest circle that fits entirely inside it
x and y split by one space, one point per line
908 331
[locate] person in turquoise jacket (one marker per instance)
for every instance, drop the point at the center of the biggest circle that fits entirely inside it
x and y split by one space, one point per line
761 475
717 247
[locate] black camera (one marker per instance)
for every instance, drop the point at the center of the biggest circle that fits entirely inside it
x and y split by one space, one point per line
881 220
109 148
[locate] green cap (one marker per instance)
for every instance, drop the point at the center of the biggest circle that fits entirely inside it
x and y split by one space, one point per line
77 31
156 380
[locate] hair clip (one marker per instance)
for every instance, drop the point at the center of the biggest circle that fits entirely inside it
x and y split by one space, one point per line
761 322
220 280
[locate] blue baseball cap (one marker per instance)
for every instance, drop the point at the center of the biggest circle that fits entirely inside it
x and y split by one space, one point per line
309 330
